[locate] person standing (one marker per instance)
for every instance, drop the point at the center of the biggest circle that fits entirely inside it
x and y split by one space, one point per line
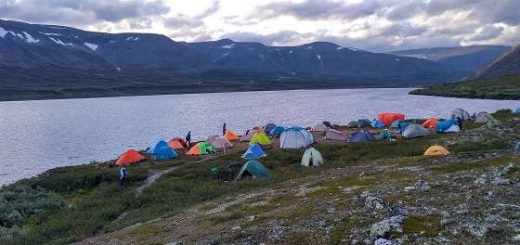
188 138
224 129
459 122
122 176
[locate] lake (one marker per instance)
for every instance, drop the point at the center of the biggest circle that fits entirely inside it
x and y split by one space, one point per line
38 135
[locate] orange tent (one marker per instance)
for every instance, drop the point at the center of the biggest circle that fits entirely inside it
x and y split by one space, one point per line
430 123
176 144
389 117
231 136
129 157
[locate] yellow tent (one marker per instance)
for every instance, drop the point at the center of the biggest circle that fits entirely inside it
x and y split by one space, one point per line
436 150
260 138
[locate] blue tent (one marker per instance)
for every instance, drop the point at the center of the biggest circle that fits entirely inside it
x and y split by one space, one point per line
253 152
295 128
165 153
255 168
157 146
268 127
400 125
276 132
517 110
361 136
442 126
376 123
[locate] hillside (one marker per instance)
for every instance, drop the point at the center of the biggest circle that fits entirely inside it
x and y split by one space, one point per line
46 61
385 191
503 87
468 59
508 64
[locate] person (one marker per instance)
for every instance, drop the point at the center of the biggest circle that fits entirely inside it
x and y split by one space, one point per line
224 129
459 122
188 138
122 176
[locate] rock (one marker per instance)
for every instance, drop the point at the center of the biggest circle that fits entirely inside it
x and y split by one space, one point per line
276 231
383 228
462 208
236 228
251 218
480 182
372 202
409 188
398 209
446 218
500 181
422 186
382 241
477 230
516 238
365 194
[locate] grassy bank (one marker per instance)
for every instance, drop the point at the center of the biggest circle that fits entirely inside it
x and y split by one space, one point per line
73 203
501 88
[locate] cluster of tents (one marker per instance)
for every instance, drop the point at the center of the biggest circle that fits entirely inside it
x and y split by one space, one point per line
296 137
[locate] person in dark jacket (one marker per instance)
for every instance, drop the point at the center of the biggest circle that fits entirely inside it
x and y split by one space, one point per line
122 176
459 122
224 129
188 138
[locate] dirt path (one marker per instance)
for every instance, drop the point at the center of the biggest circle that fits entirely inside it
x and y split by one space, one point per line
154 177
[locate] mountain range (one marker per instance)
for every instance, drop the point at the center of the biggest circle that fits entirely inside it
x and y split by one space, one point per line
48 61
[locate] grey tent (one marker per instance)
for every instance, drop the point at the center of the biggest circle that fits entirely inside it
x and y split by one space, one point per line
361 136
254 168
459 112
311 157
320 127
248 135
484 117
268 127
414 131
333 134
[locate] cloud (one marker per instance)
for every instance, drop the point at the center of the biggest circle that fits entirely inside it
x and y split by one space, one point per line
320 9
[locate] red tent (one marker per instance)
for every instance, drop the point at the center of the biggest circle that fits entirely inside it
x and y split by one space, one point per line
129 157
389 117
430 123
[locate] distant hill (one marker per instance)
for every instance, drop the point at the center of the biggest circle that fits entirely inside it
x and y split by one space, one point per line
47 61
507 64
469 59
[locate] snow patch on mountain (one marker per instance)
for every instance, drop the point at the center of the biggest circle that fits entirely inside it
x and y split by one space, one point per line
132 38
3 32
318 56
29 38
339 48
50 33
58 41
92 46
228 46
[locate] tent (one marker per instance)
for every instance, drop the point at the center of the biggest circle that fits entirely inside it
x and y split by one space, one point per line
177 144
268 127
430 123
459 112
295 137
389 117
376 123
333 134
364 123
352 124
165 153
254 168
276 132
517 110
201 148
311 157
320 127
452 129
159 145
444 125
260 138
253 152
398 123
361 136
386 135
484 117
436 150
221 142
250 133
414 131
212 137
231 136
327 124
129 157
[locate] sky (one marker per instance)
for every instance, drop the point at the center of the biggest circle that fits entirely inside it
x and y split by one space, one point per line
375 25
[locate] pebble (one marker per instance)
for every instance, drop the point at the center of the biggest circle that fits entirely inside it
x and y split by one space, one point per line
409 188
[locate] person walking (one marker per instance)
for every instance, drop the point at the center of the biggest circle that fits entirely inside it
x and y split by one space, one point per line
188 138
122 176
224 129
459 122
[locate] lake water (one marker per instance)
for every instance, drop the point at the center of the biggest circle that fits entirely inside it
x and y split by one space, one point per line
39 135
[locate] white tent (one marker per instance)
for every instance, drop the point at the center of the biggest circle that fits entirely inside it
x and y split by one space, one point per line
311 157
294 138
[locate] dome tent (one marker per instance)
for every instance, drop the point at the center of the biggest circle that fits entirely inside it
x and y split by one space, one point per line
254 168
414 131
268 127
361 136
159 145
221 142
276 132
295 137
165 153
260 138
201 148
430 123
311 157
249 134
376 123
389 117
320 127
436 150
459 112
129 157
177 144
253 152
333 134
231 136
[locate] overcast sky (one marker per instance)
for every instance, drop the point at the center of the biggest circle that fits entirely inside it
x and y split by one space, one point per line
376 25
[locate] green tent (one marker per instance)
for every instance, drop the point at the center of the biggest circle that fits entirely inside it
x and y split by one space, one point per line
312 157
352 124
254 168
